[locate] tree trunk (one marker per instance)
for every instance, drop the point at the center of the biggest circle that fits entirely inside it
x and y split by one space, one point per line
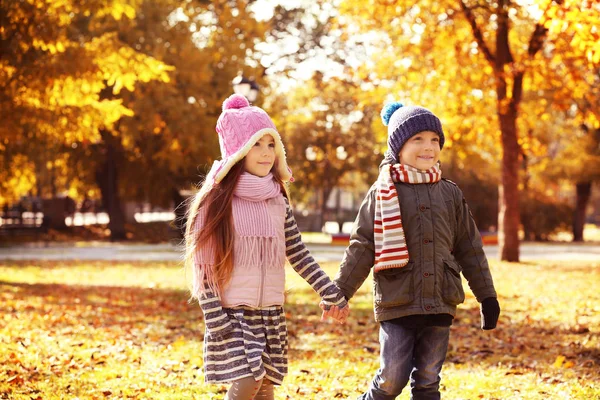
508 193
508 111
525 217
108 180
584 191
325 192
505 68
339 215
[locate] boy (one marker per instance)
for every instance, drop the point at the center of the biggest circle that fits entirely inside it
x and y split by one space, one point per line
415 229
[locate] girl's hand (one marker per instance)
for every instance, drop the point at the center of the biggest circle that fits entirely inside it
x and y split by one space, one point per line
338 314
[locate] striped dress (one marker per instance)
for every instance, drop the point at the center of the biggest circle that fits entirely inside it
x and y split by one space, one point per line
253 342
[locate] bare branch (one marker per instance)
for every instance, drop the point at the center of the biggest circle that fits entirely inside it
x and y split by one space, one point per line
517 89
477 32
539 33
503 53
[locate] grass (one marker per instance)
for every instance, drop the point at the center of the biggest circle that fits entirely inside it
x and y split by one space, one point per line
100 330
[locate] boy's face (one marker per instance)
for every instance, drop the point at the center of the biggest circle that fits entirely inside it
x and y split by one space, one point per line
422 151
261 157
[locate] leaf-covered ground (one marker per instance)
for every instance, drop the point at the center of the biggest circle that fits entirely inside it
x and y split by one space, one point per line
103 330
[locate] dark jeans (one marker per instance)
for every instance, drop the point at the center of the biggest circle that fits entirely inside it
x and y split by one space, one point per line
415 353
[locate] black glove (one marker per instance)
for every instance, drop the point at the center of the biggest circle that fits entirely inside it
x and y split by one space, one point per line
490 311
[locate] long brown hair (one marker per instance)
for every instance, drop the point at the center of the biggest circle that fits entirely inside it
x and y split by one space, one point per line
218 229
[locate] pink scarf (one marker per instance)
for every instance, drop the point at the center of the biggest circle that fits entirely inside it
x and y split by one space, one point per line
254 188
257 243
390 242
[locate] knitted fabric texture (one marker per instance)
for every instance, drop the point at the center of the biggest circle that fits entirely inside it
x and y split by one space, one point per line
255 243
239 127
404 122
390 241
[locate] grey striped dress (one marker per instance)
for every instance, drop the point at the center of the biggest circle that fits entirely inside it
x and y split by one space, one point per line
248 341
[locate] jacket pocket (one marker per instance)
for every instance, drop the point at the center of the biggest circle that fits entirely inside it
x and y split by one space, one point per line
394 287
452 289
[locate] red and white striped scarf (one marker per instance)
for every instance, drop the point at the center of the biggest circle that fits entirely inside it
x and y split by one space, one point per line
390 242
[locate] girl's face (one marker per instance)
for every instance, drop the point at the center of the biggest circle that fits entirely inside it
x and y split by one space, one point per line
422 151
261 157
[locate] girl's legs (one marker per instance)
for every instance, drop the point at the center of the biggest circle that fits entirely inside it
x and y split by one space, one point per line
244 389
266 391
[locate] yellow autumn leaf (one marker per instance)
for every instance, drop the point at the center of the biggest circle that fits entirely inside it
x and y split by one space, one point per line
129 11
129 83
117 85
117 10
87 121
180 342
112 78
559 361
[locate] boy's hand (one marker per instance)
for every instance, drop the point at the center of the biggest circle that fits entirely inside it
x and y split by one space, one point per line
338 314
490 311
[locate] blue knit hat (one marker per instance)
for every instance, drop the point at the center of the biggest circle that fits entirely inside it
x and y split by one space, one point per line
404 122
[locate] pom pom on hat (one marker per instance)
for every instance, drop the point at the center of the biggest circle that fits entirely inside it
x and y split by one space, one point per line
235 101
388 110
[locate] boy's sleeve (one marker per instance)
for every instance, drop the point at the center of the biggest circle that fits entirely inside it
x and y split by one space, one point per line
359 257
468 251
306 266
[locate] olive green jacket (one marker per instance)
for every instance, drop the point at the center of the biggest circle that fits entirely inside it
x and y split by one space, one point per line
442 242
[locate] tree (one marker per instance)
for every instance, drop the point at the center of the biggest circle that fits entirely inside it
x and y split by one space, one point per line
57 59
164 132
562 144
591 174
467 52
577 160
171 139
173 130
328 135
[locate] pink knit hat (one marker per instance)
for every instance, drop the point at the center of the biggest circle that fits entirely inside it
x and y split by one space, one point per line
240 126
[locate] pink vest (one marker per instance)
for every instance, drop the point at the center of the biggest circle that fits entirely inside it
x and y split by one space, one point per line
258 278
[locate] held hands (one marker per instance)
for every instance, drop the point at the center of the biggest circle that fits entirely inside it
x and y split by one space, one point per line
338 314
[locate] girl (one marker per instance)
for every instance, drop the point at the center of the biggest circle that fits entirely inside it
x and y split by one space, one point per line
240 228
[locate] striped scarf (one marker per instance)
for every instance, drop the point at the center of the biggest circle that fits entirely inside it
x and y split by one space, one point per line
390 242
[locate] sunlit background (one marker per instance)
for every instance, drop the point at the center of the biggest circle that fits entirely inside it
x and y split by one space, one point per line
107 127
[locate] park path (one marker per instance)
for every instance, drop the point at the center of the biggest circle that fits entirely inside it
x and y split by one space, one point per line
321 252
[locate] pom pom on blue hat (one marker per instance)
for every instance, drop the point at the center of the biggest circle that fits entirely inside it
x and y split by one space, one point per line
388 110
